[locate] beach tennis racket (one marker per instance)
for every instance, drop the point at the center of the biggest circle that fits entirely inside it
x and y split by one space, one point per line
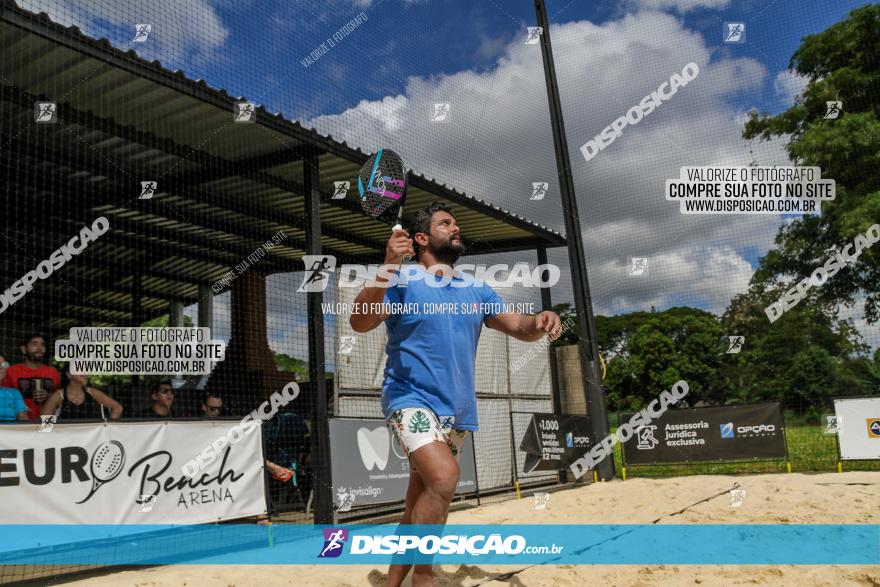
382 187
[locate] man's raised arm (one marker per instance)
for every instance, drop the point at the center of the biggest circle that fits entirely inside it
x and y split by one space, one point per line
368 312
527 328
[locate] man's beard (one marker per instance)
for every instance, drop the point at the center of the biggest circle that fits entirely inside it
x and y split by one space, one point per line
447 252
36 357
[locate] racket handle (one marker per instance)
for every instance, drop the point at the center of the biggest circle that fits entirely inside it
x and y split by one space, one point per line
398 226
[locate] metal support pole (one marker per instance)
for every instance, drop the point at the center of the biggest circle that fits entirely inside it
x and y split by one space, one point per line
587 345
547 304
206 307
321 483
175 314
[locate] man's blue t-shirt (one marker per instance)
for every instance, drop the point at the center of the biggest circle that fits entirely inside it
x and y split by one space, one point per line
431 354
11 403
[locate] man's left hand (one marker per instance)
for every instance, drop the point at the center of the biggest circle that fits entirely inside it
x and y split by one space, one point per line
550 323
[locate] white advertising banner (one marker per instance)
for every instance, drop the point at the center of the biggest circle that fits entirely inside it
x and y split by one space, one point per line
858 428
127 473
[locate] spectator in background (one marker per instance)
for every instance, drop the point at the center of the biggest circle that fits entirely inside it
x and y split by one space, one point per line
162 396
78 401
212 406
12 406
34 379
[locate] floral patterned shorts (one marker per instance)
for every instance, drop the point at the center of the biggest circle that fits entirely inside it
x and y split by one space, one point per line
416 427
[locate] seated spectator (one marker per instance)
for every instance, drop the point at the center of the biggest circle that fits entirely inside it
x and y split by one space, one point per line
34 379
12 406
162 396
78 401
212 406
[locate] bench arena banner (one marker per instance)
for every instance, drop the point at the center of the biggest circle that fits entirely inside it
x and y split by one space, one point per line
722 433
97 474
858 430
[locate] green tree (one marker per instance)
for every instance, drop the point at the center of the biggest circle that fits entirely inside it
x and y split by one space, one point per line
773 354
841 63
659 349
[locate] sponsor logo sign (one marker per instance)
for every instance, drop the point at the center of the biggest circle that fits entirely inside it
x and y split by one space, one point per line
751 431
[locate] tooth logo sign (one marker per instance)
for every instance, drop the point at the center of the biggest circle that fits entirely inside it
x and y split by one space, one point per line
373 446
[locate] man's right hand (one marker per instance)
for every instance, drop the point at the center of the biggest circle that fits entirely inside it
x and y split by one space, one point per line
398 247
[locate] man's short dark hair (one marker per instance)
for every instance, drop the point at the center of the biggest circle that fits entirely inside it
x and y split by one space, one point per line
26 341
209 394
421 222
159 384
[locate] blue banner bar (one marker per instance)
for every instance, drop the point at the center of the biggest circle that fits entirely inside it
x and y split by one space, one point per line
682 544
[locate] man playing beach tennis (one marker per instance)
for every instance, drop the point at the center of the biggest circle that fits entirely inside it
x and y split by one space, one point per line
428 396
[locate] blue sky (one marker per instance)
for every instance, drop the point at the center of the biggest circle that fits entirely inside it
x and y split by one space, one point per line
457 35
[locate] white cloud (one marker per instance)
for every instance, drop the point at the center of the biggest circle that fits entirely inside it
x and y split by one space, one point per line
788 86
185 35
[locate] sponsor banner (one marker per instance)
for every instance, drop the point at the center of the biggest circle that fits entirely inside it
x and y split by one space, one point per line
553 441
752 431
284 544
369 467
858 428
126 473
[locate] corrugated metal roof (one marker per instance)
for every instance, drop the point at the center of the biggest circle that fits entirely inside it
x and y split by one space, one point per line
223 187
